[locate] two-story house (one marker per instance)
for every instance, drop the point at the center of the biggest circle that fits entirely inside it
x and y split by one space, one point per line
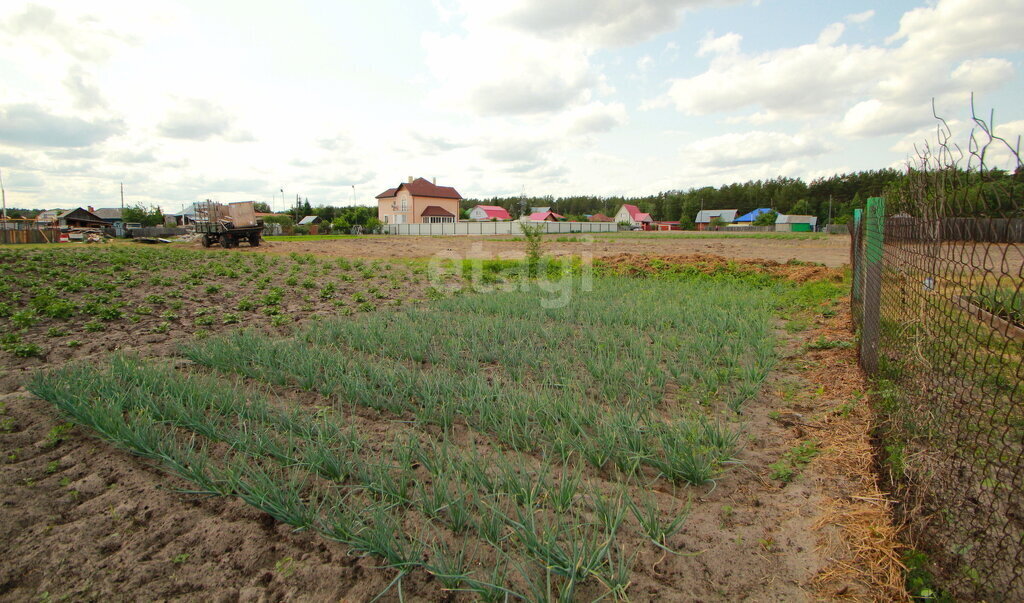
418 201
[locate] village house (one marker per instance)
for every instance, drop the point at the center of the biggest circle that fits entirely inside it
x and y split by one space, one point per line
748 218
705 216
418 201
112 215
632 215
80 218
489 212
599 218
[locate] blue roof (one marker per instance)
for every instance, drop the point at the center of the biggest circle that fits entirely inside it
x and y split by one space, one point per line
752 215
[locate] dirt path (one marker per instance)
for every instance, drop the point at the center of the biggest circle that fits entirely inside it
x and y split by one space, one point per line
832 251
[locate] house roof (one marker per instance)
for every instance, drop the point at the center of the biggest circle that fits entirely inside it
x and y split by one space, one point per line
542 216
600 218
81 214
109 213
796 219
308 220
539 210
635 214
435 210
388 193
494 211
751 216
704 216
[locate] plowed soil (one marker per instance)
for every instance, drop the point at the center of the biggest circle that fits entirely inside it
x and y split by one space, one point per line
86 521
832 251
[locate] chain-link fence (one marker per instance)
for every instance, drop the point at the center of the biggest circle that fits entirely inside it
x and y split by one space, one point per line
938 297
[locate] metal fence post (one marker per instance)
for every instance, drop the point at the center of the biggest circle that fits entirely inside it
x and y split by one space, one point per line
855 260
874 223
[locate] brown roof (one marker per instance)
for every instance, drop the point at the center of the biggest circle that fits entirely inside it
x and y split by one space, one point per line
600 218
434 210
421 187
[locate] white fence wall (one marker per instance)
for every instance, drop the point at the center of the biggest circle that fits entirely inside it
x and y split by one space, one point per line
496 228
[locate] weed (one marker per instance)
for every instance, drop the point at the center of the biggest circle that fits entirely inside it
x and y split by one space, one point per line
52 467
788 467
58 434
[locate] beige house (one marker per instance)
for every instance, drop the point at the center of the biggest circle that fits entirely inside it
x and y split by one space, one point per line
418 201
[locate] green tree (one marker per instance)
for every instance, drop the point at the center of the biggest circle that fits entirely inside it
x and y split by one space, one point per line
800 208
766 219
261 207
341 226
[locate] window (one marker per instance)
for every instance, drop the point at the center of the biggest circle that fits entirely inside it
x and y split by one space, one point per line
405 204
440 219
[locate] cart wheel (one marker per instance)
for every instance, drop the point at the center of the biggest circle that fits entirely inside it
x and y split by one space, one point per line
254 240
225 241
206 241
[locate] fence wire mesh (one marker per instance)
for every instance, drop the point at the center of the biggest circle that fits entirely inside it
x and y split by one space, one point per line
940 307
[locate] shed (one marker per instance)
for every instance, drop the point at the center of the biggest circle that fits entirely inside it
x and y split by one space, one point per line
795 223
547 216
309 221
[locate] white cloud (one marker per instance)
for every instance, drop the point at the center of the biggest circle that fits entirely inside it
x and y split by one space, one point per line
878 89
200 119
754 147
595 118
495 73
728 44
604 22
862 17
876 118
32 126
644 63
831 34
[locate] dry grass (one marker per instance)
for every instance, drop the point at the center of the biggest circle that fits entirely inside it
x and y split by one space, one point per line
856 528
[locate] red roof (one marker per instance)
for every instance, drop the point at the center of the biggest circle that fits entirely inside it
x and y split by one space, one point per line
543 216
388 193
434 210
641 217
421 187
633 210
495 211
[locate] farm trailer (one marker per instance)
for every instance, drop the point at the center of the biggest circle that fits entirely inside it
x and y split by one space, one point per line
228 225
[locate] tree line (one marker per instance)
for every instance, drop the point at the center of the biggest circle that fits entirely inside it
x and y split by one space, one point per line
843 192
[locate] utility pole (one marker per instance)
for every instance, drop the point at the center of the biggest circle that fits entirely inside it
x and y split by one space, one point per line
830 210
3 194
122 200
283 208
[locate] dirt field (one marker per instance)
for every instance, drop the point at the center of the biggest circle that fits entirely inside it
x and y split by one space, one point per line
86 521
832 251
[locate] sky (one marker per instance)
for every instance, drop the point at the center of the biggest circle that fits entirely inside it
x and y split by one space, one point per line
337 101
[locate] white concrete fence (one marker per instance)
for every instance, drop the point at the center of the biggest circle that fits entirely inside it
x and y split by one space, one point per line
496 228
